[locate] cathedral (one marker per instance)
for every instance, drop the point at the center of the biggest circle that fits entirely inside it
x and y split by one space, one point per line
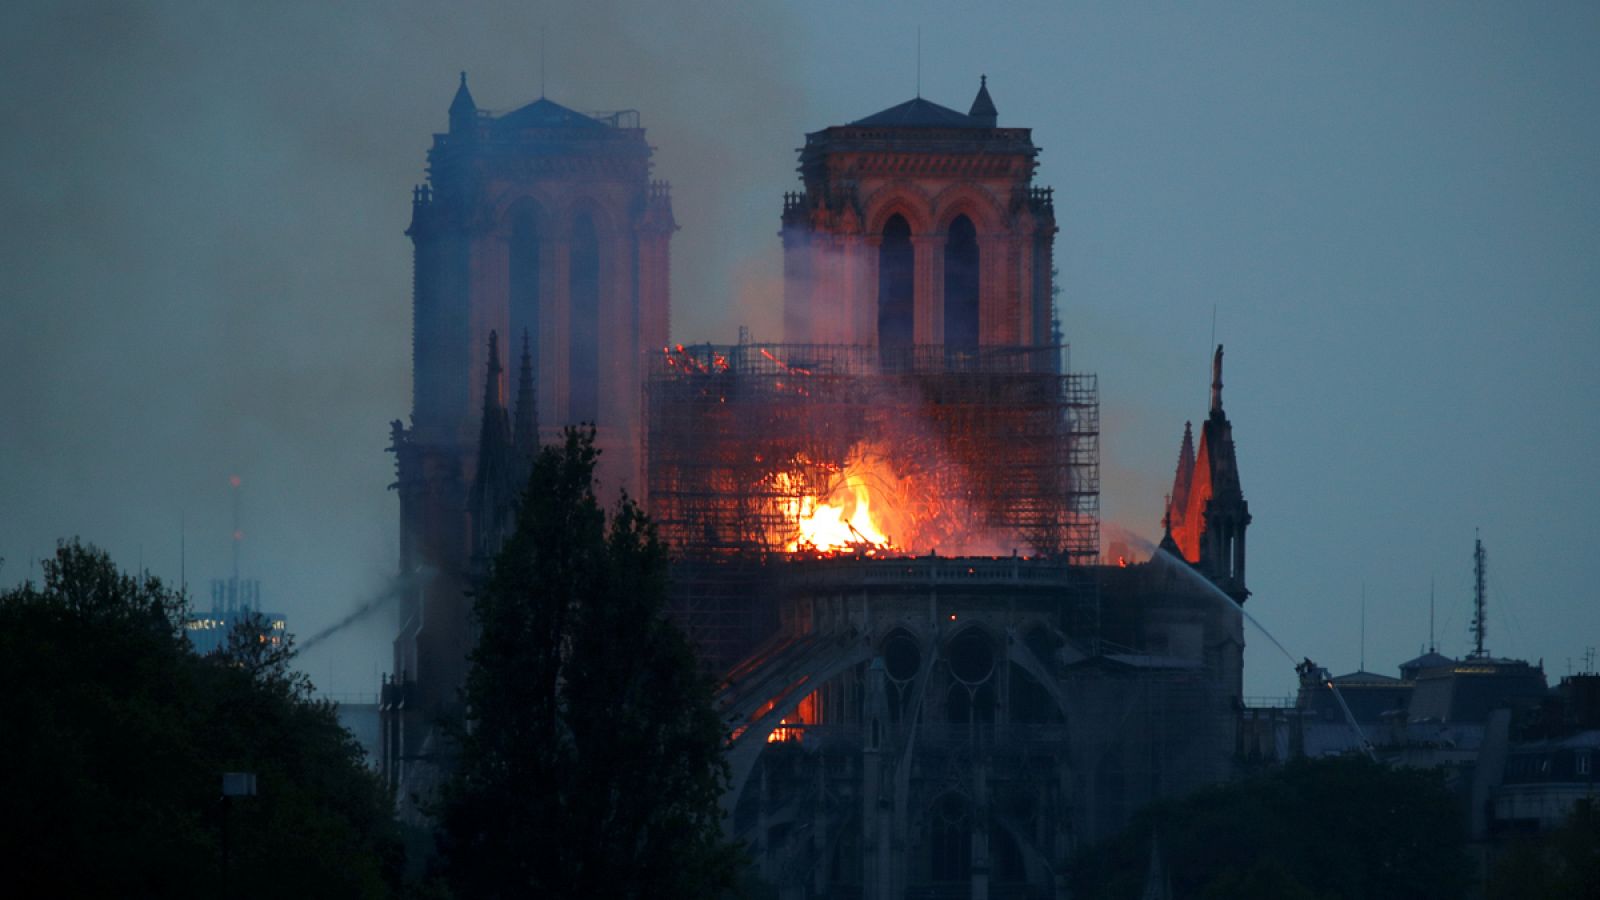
885 529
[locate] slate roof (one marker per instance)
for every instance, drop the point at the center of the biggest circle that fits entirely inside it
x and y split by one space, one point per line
920 113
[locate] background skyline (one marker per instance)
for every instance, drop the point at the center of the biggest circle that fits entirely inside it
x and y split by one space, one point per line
1393 209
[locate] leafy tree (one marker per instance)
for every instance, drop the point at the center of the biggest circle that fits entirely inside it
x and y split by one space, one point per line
591 765
117 734
1562 864
1337 829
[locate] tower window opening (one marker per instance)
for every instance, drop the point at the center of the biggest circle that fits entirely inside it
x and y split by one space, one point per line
961 286
896 288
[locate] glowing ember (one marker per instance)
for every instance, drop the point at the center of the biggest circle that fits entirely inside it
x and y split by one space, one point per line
841 521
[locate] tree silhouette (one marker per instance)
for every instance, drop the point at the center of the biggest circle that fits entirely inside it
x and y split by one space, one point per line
117 735
591 764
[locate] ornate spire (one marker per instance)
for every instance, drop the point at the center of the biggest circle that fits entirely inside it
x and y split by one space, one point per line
494 387
1178 502
526 434
1216 381
983 106
493 485
463 112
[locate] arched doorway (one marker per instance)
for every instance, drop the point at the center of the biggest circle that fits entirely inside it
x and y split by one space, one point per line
961 286
896 289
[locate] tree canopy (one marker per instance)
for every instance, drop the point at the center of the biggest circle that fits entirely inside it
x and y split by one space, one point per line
117 735
1336 829
1560 864
591 765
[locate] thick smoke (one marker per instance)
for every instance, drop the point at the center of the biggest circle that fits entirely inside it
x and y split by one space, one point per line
207 274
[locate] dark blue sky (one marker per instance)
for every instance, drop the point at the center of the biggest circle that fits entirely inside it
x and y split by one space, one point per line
1393 208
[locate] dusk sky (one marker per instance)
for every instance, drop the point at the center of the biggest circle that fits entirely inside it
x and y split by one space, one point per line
1392 208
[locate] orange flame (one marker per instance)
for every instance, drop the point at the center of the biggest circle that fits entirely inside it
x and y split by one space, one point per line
840 521
871 506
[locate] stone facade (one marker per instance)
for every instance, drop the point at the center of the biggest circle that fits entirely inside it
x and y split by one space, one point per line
919 226
542 225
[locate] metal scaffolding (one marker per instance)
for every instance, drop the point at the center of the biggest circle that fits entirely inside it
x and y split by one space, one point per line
998 441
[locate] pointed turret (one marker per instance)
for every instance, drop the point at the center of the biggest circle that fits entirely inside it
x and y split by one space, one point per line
1207 514
1168 544
526 434
494 484
494 386
983 106
1181 480
1216 382
1222 513
463 112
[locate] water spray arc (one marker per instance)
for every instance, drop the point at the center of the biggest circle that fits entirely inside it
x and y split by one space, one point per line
384 597
1304 667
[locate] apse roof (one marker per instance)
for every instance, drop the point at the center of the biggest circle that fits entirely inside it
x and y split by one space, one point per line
920 113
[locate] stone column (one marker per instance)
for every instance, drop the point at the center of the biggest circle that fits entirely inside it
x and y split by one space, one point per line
555 323
859 295
796 285
828 316
1027 291
655 289
618 389
875 848
996 289
928 297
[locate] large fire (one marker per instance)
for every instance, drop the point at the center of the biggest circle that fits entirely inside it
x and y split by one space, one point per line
870 506
840 520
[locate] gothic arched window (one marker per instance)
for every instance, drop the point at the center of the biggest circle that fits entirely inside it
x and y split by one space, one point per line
896 294
961 286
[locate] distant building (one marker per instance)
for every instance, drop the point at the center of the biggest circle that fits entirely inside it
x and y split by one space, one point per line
1552 767
234 601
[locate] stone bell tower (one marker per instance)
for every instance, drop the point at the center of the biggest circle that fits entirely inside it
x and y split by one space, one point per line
541 225
917 226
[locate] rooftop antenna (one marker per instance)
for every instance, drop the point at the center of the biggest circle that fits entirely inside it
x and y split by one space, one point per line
1480 620
1363 666
238 534
1432 647
542 53
1211 347
183 555
919 62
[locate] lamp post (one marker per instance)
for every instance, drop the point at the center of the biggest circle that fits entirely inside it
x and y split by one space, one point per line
234 784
